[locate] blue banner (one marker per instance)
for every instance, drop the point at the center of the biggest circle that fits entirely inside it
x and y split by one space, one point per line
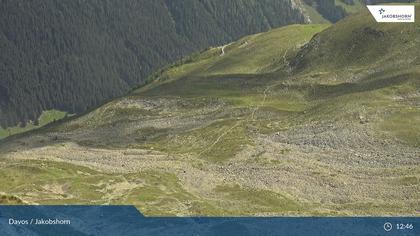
127 220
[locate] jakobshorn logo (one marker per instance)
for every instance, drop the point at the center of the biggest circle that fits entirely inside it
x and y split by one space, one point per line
381 11
388 13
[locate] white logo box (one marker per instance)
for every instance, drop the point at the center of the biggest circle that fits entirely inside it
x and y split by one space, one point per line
388 13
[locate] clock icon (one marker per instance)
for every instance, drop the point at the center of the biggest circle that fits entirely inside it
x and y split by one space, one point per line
387 226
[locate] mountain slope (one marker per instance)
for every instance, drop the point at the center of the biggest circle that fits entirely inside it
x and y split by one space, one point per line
277 135
74 55
356 41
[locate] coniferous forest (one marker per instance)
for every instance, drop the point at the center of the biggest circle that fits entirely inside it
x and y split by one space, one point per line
72 55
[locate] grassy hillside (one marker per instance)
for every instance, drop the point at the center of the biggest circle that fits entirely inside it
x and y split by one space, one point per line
302 120
254 54
359 43
45 118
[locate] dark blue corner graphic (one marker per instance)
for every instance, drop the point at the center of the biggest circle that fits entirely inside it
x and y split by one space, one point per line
126 220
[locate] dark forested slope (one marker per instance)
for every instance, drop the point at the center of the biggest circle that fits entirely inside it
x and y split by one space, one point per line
74 54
